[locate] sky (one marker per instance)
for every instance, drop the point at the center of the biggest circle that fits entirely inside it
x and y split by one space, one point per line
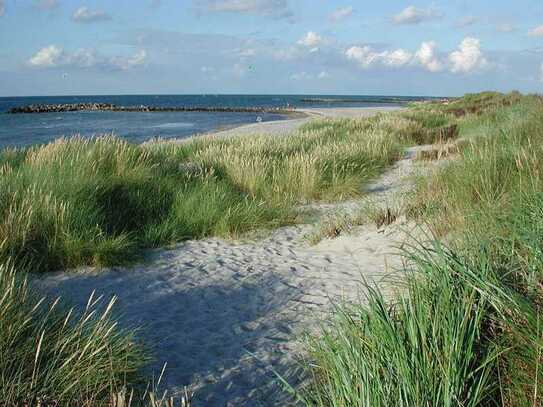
359 47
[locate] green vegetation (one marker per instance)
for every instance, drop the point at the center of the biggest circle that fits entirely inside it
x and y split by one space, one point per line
48 354
99 202
467 330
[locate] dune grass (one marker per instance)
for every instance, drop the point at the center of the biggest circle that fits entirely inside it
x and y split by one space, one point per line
50 354
467 330
101 201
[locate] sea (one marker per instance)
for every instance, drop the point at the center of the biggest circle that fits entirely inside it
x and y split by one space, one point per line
19 130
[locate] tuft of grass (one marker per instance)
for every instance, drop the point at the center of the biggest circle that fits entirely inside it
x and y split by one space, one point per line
50 354
422 349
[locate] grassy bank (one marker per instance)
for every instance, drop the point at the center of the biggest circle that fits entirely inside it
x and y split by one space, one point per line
468 328
99 202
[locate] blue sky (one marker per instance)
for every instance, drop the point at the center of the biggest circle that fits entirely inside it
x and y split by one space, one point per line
392 47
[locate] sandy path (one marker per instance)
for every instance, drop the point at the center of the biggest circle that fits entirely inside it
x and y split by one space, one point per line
223 314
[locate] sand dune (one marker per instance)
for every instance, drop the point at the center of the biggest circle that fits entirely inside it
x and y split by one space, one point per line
225 315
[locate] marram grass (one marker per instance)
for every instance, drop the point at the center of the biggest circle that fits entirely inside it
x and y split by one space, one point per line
100 201
51 354
466 330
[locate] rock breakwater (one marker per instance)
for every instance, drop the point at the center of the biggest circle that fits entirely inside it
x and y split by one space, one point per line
75 107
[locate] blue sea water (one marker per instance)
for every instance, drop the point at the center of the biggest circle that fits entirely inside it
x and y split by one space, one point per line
37 128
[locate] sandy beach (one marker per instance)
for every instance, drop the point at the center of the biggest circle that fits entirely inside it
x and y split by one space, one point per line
289 125
225 315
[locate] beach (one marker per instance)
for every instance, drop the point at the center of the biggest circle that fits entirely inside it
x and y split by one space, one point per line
225 315
291 124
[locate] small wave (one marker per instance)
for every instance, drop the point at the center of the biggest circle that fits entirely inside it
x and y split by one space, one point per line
172 125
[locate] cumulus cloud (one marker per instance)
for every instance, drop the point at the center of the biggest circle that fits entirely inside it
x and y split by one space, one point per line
272 8
468 57
125 63
311 39
536 32
427 57
341 13
2 8
366 57
54 56
415 15
47 57
85 15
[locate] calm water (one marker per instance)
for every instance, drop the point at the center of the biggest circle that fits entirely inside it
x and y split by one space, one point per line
27 129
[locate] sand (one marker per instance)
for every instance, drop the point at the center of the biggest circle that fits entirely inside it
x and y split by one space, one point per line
225 315
289 125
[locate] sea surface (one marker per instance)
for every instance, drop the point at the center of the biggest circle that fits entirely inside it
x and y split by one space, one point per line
18 130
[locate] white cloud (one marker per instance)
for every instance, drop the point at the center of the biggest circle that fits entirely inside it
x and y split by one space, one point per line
414 15
536 32
468 57
85 15
82 58
399 57
426 56
54 56
505 27
125 63
341 13
47 57
273 8
311 39
367 57
2 8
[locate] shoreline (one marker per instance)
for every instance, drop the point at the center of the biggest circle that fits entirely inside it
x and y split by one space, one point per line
295 120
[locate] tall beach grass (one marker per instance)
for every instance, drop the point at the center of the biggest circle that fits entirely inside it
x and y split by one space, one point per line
101 201
466 330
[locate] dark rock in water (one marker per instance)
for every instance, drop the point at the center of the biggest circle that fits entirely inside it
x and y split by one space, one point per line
74 107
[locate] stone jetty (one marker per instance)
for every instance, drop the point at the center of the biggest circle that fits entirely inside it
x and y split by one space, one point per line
75 107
